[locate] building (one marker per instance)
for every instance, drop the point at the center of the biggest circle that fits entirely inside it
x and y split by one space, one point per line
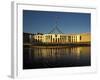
55 36
27 37
63 38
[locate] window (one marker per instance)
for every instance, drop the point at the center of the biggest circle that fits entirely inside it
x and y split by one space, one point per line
80 37
55 35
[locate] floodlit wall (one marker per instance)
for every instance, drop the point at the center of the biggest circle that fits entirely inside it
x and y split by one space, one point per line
85 37
63 38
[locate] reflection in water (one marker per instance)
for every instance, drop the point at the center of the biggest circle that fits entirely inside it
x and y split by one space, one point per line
55 57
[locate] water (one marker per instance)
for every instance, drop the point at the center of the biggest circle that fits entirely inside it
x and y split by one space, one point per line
56 57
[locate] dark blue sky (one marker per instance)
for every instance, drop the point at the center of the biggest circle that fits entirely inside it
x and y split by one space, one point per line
45 21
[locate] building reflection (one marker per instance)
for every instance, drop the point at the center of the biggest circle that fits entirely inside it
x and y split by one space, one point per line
75 52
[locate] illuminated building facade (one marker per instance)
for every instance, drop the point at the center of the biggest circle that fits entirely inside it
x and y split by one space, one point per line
62 38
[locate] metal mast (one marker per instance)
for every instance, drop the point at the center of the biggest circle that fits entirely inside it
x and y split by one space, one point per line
56 30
